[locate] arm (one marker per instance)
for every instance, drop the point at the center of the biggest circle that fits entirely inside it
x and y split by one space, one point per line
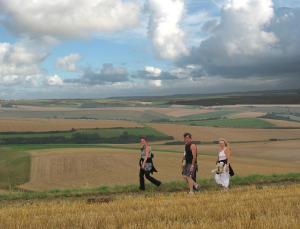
228 155
194 152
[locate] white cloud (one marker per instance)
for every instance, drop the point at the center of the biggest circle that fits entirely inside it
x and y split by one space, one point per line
164 28
68 18
20 64
68 63
156 83
242 27
152 71
55 81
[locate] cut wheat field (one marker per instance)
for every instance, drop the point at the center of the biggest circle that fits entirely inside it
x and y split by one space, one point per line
232 134
266 207
283 123
39 124
94 167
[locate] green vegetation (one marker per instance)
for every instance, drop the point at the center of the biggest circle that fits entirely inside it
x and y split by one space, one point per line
278 116
14 167
83 136
211 115
206 185
129 115
234 123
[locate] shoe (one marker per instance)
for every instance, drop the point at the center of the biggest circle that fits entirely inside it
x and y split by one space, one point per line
196 188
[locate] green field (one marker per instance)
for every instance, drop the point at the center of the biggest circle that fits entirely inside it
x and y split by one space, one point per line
211 115
99 135
234 123
129 115
14 167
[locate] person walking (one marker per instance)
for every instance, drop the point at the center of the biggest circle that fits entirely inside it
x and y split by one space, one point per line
146 165
224 171
189 163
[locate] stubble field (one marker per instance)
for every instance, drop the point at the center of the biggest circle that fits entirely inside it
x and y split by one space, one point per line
269 207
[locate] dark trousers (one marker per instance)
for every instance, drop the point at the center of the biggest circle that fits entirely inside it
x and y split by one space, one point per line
143 174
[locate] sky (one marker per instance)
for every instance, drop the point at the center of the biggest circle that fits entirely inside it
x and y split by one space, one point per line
108 48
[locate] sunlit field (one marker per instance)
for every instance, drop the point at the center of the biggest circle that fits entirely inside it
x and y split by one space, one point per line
269 207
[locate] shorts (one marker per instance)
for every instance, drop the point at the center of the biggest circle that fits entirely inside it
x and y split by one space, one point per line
186 171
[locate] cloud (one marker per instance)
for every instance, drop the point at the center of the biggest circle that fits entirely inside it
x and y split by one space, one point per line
55 81
20 64
251 40
152 70
150 73
108 74
68 63
164 28
64 19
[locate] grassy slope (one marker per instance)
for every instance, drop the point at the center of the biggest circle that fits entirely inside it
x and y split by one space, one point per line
177 186
14 167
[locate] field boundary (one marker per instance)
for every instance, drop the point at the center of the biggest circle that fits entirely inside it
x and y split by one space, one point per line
176 186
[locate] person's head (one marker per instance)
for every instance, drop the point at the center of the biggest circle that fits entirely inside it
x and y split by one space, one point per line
144 140
223 143
187 138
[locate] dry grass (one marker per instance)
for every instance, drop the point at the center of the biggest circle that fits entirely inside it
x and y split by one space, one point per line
232 134
179 112
37 124
271 207
283 123
93 167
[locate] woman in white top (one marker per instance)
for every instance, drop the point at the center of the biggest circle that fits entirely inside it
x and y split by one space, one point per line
222 176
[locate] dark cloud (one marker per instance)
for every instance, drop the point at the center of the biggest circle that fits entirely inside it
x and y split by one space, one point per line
145 75
107 74
236 51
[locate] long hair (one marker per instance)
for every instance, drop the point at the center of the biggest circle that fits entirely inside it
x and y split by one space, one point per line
226 144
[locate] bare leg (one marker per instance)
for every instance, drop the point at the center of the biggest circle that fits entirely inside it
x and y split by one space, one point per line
191 183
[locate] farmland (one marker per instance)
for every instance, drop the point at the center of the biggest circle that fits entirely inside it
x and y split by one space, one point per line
56 155
89 167
235 123
98 135
58 149
268 207
204 133
42 125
